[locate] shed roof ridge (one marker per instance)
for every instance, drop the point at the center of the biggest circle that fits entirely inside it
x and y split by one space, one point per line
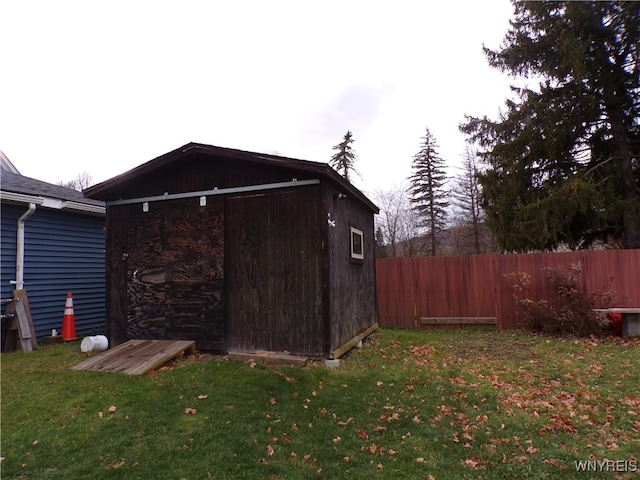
321 168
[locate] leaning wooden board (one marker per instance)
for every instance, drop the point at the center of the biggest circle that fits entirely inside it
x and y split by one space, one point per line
22 296
136 357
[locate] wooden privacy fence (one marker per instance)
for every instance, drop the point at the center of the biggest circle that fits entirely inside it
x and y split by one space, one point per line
412 288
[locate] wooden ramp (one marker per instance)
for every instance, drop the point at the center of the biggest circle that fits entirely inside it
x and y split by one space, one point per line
136 357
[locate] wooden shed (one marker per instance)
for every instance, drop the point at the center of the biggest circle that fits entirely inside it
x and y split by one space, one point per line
238 251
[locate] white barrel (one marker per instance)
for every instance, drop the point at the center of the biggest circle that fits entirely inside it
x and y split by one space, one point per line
97 343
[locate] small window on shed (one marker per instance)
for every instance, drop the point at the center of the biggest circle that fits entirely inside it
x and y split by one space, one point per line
357 245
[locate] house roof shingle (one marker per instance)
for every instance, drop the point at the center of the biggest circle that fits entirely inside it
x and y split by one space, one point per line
16 183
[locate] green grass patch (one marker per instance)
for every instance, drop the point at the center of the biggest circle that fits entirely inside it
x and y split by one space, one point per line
470 403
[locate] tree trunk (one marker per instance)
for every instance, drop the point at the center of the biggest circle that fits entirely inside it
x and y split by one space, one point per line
630 194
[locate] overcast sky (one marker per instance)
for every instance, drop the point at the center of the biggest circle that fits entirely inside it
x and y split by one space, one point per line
104 86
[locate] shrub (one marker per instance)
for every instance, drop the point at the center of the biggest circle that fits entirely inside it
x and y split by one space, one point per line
566 308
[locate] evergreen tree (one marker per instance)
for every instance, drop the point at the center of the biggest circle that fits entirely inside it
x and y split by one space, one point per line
466 198
427 190
344 159
563 160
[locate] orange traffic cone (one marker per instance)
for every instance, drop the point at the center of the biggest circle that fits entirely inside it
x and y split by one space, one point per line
69 321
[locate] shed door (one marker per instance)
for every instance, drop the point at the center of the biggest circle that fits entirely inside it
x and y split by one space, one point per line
175 273
274 255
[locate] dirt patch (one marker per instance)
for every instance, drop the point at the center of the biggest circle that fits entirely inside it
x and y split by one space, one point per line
481 346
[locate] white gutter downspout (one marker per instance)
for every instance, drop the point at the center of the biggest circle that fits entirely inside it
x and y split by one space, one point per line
20 247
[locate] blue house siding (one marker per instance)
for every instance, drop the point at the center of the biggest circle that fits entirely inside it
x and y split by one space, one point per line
64 252
9 215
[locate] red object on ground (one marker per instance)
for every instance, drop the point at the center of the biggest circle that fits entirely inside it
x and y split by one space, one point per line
69 321
616 322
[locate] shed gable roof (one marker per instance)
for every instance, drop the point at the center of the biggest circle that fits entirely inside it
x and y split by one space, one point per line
102 190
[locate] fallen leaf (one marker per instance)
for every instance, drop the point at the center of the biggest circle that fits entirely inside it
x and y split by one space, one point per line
362 434
270 450
378 383
470 462
203 397
35 443
554 462
337 440
420 460
380 466
190 411
117 465
112 409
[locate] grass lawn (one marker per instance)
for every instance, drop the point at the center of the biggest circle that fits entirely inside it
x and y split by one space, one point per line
450 404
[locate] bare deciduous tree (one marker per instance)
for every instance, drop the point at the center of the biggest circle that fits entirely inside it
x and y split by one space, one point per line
82 181
398 225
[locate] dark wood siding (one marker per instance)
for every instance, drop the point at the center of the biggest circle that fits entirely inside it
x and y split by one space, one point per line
167 272
250 271
274 272
352 284
203 173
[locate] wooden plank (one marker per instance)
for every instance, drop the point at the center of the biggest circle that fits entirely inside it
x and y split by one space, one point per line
136 357
459 320
22 296
24 329
102 360
170 350
19 328
338 352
